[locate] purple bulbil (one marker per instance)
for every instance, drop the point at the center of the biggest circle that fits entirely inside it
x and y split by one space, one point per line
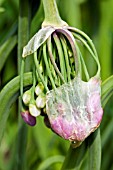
28 118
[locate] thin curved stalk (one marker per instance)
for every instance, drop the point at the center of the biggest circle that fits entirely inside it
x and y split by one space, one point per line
47 66
89 41
52 59
61 55
64 45
90 51
72 42
84 67
38 73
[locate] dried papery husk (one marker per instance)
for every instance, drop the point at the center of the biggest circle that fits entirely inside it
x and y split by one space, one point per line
74 109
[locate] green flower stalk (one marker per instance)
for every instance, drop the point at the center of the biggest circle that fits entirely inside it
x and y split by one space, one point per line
73 106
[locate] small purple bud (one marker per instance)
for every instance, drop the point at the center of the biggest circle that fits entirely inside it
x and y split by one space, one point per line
28 118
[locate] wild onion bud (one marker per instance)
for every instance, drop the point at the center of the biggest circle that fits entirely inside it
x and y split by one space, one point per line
28 118
39 88
34 111
73 106
26 97
41 101
78 112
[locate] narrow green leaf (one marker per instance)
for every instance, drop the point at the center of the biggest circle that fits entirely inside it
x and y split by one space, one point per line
107 132
94 150
5 50
49 161
107 84
8 33
107 90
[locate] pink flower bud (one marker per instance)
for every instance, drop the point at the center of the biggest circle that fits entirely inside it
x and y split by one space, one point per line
74 109
28 118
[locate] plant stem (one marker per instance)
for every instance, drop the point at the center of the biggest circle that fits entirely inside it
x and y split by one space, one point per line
95 150
38 71
53 60
91 45
64 45
52 16
74 157
61 56
47 66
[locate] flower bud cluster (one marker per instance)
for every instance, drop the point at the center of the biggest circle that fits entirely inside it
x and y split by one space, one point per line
35 105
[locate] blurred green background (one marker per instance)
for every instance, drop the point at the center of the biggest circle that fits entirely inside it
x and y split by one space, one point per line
95 18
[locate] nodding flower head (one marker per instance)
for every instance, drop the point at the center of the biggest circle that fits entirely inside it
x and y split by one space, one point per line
73 106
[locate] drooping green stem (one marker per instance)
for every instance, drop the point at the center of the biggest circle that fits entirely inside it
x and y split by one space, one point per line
38 73
52 16
61 56
33 86
64 45
89 41
72 42
53 60
92 52
47 66
84 67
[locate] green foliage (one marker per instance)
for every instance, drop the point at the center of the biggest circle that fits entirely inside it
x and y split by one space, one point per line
38 148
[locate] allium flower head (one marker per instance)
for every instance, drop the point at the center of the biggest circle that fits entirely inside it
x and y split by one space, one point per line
73 106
